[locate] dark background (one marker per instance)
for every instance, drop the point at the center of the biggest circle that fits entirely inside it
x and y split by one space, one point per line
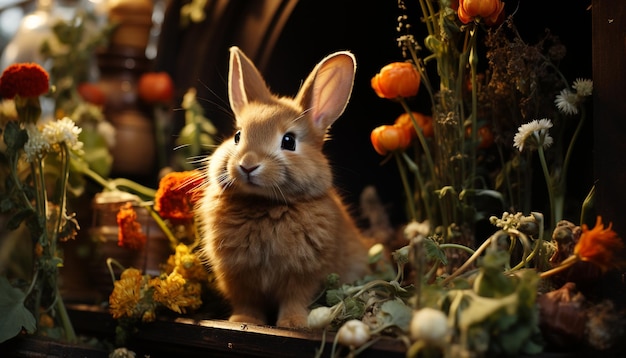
316 28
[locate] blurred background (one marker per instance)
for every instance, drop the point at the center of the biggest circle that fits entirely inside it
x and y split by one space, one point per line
286 38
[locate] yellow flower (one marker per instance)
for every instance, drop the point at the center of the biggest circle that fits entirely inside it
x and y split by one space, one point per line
176 293
187 264
126 294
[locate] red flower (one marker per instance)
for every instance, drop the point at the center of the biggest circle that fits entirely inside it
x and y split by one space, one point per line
129 235
600 246
398 79
490 11
24 80
177 194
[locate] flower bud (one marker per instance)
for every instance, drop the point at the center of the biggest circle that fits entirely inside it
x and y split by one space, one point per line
353 333
319 317
429 325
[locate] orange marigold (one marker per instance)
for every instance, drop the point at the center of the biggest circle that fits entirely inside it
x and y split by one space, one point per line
25 80
177 194
600 246
129 235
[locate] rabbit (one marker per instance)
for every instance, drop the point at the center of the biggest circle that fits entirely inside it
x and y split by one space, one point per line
271 223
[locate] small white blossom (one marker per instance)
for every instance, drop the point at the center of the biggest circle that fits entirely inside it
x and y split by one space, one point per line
36 145
415 229
353 333
430 325
63 131
122 353
583 87
320 317
533 135
44 138
566 102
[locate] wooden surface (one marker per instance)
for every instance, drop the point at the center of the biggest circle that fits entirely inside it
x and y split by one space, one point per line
609 114
184 337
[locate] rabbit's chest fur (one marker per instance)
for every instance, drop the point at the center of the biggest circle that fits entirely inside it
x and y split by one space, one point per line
269 243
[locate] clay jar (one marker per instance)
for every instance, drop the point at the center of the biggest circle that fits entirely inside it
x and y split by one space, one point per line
121 65
134 151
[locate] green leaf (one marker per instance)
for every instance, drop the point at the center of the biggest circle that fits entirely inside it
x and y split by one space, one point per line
433 252
397 313
15 315
14 137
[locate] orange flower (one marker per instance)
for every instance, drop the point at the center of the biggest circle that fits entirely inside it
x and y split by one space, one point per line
600 246
91 93
423 121
397 79
490 11
129 230
485 136
155 87
26 80
387 138
177 194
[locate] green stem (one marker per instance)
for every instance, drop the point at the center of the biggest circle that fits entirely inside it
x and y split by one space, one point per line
457 246
473 60
422 71
163 226
472 258
68 328
114 184
134 187
422 140
565 264
546 174
430 25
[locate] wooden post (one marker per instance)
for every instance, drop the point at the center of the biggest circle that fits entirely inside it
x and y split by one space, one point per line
609 110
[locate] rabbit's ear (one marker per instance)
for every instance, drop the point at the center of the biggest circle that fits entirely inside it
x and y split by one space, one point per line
326 91
245 83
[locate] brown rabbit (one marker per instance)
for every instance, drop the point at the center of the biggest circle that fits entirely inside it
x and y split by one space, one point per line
272 225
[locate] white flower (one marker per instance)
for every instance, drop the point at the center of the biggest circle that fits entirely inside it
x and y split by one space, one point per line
430 325
36 145
583 87
415 229
42 139
566 102
533 134
320 317
62 131
353 333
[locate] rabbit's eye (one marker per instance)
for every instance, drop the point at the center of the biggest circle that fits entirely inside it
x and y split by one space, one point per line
237 137
289 142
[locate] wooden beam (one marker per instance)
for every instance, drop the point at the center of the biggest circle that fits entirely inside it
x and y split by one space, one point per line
609 110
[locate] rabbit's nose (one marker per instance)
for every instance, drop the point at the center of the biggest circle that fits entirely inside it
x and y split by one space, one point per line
248 170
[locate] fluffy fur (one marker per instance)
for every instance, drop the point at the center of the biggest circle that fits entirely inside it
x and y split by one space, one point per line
272 225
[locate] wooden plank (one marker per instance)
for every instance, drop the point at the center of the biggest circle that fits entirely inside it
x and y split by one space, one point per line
190 337
609 114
